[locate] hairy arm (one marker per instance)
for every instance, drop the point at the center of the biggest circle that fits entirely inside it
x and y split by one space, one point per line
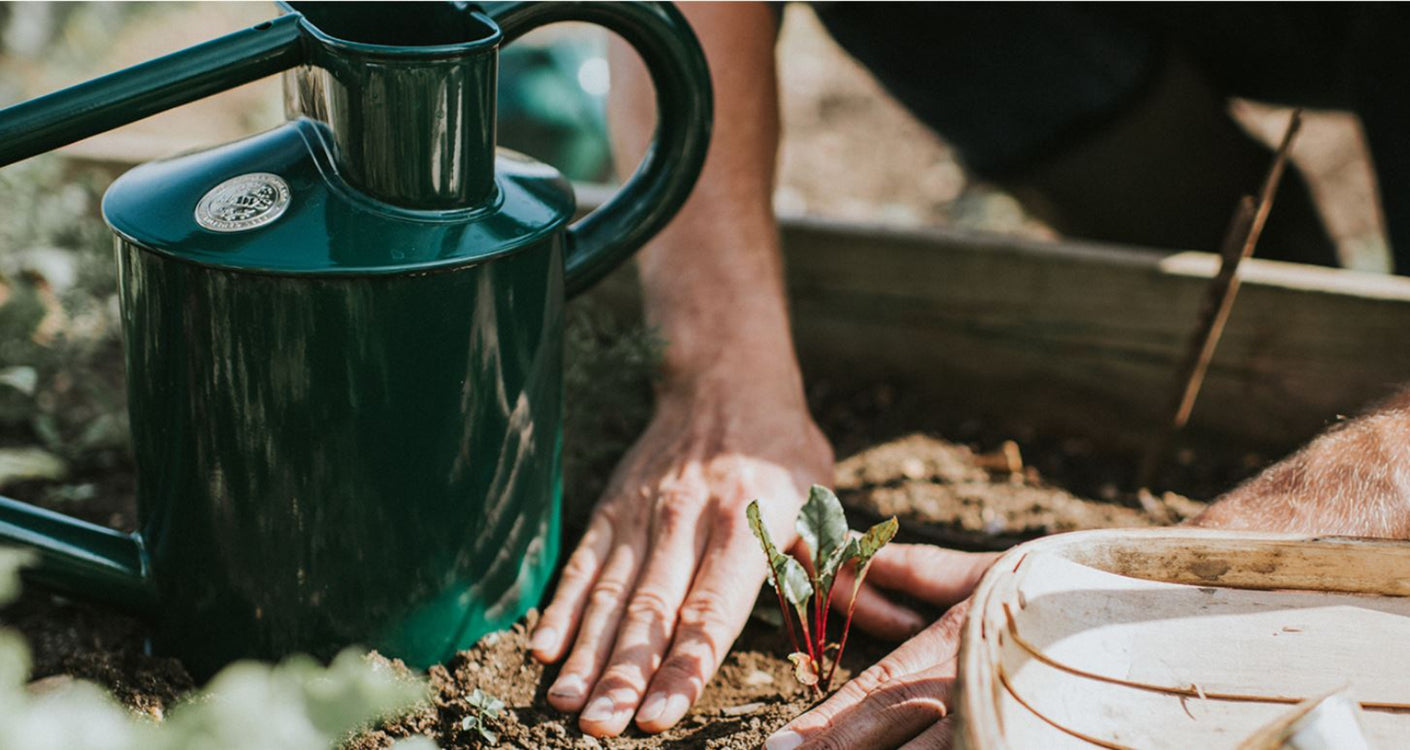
667 571
1352 480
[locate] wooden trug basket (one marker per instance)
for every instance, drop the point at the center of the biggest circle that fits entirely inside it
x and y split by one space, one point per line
1182 638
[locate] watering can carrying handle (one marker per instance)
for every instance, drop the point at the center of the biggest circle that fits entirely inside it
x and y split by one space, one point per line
684 106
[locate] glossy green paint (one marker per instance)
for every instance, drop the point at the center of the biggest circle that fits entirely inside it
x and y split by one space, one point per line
344 459
347 422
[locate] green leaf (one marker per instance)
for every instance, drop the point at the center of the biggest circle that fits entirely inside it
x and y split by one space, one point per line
871 543
485 704
875 538
822 524
756 523
793 582
839 557
803 668
776 559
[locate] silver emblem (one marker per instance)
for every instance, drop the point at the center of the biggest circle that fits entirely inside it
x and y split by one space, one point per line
244 202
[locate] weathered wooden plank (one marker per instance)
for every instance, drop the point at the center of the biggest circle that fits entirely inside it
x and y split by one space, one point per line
1074 334
1083 337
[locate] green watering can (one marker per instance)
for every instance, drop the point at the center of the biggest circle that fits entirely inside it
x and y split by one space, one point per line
343 336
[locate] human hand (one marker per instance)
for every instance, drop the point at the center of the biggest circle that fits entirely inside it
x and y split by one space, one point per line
667 573
904 698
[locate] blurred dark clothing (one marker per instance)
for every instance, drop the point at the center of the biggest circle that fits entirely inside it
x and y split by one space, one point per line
1008 85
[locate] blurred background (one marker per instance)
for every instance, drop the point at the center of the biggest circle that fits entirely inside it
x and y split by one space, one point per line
849 153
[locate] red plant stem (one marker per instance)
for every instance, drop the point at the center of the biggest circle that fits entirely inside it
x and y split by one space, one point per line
787 620
819 634
807 636
846 628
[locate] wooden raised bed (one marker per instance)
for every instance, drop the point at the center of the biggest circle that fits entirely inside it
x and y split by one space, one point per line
1080 338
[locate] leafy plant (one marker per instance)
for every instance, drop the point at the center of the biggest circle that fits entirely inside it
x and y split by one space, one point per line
484 708
295 705
822 525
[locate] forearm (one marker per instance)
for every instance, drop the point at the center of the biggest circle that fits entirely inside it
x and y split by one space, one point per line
1352 480
713 280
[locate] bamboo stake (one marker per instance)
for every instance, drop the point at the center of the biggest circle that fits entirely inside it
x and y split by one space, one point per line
1239 241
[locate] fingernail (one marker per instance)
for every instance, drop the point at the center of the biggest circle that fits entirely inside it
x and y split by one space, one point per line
600 709
652 708
544 639
785 740
568 686
676 706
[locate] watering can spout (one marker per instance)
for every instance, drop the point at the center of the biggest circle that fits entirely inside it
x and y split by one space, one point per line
80 559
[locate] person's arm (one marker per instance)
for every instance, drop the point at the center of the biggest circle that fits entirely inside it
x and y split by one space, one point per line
667 572
1352 480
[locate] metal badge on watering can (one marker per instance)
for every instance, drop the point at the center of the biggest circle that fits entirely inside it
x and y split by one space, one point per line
343 336
244 202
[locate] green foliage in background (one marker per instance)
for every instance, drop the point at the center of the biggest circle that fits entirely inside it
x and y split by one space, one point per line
295 705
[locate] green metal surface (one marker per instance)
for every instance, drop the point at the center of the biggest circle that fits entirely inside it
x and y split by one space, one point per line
347 416
414 125
329 227
334 460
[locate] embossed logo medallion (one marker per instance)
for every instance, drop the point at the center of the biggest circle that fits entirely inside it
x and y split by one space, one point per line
244 202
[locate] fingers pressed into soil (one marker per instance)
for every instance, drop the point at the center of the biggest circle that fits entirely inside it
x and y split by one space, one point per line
753 695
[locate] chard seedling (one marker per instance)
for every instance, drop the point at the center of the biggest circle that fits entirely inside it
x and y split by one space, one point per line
484 708
823 527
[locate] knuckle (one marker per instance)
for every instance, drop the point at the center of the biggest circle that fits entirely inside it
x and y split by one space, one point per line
672 515
704 612
606 594
580 565
875 676
831 741
680 670
649 605
622 677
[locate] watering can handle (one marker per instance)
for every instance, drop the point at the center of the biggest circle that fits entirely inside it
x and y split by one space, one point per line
73 557
684 106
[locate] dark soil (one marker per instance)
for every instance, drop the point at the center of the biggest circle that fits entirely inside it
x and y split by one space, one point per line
942 491
753 695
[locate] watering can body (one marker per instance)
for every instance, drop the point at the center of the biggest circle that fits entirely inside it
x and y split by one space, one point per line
343 337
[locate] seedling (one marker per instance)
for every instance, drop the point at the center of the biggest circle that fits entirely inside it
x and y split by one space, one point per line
484 708
823 527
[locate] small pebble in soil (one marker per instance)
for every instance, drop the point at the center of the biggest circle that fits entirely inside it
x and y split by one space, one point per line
741 710
758 677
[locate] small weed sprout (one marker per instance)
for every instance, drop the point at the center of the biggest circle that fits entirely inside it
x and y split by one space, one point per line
823 527
484 708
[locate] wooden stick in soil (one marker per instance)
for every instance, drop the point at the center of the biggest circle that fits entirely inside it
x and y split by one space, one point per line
1239 242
